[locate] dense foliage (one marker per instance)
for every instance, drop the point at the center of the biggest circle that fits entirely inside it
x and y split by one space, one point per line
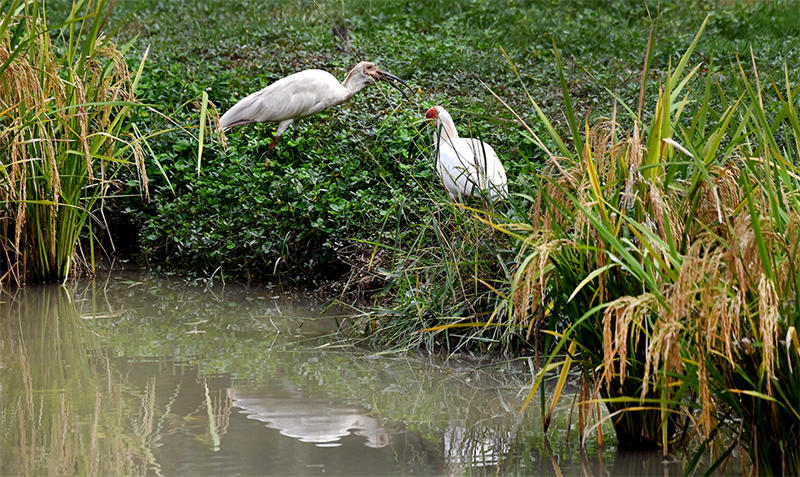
662 259
363 170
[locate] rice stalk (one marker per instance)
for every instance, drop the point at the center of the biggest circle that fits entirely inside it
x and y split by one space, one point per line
676 246
66 92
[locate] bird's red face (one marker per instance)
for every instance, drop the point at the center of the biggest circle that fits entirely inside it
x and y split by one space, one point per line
430 115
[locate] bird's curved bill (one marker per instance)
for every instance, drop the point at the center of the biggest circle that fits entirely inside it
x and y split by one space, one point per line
390 78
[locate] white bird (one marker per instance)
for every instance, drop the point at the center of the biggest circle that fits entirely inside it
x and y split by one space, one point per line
467 167
302 94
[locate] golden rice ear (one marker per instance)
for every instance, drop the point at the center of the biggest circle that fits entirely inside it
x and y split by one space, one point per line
560 171
141 167
634 152
83 123
706 403
617 320
531 280
768 326
213 125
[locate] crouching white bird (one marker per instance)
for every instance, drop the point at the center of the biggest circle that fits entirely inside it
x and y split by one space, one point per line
302 94
467 167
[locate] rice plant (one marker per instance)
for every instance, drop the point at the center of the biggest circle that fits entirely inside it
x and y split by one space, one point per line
669 250
66 92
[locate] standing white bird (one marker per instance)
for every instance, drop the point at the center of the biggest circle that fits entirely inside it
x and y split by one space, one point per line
302 94
467 167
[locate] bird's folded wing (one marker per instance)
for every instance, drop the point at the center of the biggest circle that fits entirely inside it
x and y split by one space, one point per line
292 97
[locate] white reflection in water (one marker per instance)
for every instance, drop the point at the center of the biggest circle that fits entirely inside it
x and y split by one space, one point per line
477 446
318 421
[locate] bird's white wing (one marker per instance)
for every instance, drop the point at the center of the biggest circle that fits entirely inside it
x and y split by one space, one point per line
456 168
491 171
294 96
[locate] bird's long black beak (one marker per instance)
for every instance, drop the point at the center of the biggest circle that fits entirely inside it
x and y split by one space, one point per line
390 78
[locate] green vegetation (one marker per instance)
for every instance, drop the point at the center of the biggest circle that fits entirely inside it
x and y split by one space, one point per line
65 132
662 259
363 171
652 234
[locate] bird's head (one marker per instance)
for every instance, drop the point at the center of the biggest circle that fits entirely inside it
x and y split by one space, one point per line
432 114
441 121
368 72
365 73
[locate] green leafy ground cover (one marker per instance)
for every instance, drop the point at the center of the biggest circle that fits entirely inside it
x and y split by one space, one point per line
363 171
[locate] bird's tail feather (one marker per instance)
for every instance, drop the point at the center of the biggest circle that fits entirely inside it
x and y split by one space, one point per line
227 127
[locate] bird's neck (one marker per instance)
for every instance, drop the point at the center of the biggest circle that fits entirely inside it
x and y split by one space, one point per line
445 129
352 84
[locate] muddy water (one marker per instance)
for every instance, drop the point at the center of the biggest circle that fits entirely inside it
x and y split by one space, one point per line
141 376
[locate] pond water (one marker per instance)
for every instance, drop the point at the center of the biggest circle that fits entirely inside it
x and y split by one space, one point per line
140 376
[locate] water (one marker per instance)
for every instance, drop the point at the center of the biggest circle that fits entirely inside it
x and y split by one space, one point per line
142 376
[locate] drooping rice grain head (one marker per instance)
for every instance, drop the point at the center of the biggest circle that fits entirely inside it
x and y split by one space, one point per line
552 192
706 404
82 116
635 151
663 354
139 161
530 280
617 332
659 209
768 315
744 252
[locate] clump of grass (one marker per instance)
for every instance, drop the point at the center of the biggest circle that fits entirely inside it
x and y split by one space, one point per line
442 269
670 250
436 273
65 132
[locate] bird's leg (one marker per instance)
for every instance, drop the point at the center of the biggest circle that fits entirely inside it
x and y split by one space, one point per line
294 130
269 150
282 127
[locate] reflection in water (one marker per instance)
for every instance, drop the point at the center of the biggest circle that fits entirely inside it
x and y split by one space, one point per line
474 447
153 377
320 421
62 410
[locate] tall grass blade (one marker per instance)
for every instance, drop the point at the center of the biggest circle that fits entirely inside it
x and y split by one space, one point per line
573 123
201 133
562 381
